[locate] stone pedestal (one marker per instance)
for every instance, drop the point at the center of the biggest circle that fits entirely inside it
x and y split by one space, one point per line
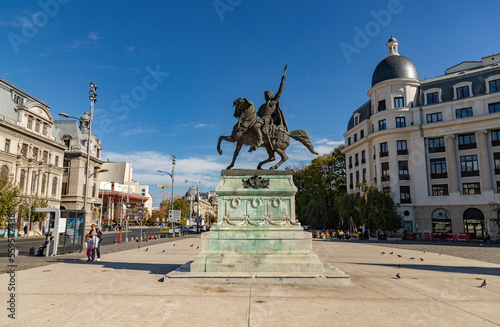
257 235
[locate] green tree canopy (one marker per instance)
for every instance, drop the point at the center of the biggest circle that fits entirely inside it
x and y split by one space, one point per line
10 197
318 184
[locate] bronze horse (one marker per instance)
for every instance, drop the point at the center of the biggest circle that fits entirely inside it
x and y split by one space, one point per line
277 139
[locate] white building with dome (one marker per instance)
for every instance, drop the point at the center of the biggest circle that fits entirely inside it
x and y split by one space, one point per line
434 144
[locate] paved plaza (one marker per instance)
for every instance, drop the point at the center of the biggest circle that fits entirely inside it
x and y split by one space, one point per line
126 289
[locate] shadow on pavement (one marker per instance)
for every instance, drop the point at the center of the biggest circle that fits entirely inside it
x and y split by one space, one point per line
153 268
493 271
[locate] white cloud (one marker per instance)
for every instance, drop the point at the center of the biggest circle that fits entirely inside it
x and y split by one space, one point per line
138 131
93 36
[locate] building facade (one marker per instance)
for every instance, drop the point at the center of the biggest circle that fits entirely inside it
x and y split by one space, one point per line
434 144
122 197
31 151
75 136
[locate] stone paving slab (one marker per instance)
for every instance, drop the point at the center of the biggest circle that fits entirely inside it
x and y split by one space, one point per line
125 289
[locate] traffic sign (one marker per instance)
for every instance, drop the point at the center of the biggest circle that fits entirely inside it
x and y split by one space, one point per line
174 216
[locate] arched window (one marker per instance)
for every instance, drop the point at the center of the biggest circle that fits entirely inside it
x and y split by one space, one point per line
474 222
441 221
22 179
44 183
4 171
54 186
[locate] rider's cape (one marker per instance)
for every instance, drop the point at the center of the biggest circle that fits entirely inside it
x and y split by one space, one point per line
279 117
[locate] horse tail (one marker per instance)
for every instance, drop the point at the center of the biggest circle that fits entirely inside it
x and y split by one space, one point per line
302 136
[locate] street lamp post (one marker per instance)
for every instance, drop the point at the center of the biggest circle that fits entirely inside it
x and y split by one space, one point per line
171 176
35 175
198 201
92 98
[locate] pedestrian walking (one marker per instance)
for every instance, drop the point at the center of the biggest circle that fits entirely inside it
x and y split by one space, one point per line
90 247
97 238
25 230
43 230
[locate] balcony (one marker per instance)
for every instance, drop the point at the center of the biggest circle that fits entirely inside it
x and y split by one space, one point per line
356 163
439 175
438 149
406 200
404 177
495 143
350 166
470 173
402 152
384 154
363 161
467 146
386 178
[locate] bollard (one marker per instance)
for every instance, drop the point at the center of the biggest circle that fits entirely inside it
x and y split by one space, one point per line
114 242
32 251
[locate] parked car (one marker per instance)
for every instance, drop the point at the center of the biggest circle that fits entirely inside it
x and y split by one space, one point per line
184 229
192 229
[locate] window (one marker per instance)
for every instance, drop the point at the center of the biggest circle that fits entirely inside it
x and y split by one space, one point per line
351 181
469 166
436 145
364 175
18 99
357 177
438 168
93 191
356 119
498 188
350 162
381 125
361 134
348 141
403 170
98 155
67 143
37 125
432 98
384 149
356 160
495 85
7 146
404 192
494 107
381 105
45 128
495 137
467 141
22 179
44 156
355 137
54 186
35 153
463 113
5 171
400 122
56 161
64 188
387 190
398 102
440 190
24 150
44 183
462 92
471 188
434 118
30 122
363 156
496 158
385 172
402 147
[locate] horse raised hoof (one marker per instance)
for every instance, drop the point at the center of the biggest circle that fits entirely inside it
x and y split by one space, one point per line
219 151
229 167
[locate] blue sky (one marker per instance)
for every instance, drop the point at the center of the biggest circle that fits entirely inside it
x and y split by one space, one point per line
168 71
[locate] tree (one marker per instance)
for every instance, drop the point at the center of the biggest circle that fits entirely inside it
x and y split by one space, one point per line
378 210
36 203
318 184
212 219
185 209
10 198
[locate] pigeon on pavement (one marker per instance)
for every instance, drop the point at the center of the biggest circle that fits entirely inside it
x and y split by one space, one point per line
146 249
484 283
382 253
399 255
398 276
412 258
391 253
163 251
421 259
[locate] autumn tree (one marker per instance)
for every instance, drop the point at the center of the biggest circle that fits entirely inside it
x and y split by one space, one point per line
10 197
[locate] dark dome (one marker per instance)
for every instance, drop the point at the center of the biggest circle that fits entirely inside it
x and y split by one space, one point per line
394 66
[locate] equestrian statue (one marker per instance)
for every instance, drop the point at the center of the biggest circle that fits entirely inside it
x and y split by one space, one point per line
264 128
